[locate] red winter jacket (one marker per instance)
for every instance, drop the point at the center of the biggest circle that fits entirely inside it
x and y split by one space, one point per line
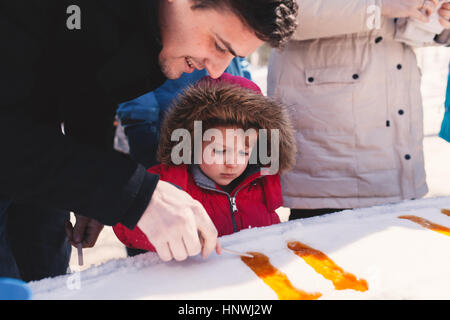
251 204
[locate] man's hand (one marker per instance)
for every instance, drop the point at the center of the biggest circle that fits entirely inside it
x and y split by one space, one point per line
419 9
86 231
177 225
444 15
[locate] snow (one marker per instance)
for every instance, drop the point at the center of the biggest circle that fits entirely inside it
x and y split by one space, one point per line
398 258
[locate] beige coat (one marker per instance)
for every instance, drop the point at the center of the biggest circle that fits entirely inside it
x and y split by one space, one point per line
354 94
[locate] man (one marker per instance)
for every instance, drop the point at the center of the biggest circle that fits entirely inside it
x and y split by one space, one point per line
71 63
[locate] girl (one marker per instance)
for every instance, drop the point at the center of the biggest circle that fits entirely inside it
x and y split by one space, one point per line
229 177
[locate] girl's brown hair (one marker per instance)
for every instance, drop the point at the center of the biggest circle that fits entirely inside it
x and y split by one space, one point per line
229 105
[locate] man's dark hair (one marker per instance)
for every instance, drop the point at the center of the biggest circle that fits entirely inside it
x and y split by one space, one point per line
274 21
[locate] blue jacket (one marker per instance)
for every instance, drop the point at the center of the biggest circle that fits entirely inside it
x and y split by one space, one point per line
151 106
445 128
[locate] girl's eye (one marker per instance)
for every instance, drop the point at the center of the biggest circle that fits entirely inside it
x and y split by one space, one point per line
220 49
218 151
243 153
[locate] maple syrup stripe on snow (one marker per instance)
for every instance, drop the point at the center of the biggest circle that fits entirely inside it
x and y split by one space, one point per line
275 279
323 265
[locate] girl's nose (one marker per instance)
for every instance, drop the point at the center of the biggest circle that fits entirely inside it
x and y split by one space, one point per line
230 160
231 165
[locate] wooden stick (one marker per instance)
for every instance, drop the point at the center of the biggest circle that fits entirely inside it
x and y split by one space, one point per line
80 254
237 253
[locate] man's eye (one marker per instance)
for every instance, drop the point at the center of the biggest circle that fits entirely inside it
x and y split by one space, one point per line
243 153
218 151
219 48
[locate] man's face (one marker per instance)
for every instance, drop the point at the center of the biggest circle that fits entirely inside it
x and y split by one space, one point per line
201 38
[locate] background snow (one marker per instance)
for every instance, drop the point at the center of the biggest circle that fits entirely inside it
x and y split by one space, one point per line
398 258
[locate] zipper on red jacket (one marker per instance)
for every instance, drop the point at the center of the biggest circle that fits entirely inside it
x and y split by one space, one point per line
233 211
232 198
233 204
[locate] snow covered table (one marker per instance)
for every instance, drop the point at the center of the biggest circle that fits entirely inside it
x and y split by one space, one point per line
361 254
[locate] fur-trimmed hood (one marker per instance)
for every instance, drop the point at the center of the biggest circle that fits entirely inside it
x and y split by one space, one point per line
227 101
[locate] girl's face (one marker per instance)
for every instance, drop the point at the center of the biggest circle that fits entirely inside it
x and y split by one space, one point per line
226 153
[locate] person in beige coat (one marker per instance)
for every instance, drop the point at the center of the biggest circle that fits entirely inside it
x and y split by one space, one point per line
354 93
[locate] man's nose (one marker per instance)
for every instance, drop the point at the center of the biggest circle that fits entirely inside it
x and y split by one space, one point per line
217 67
